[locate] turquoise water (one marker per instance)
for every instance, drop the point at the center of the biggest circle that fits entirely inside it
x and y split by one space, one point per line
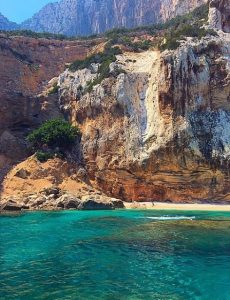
115 255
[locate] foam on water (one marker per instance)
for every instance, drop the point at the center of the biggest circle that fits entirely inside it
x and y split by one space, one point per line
165 218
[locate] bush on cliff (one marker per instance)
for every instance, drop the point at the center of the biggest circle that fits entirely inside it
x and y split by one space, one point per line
183 31
109 54
117 37
43 156
104 58
53 138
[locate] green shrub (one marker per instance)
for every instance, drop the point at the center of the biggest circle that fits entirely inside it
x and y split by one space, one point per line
198 16
115 33
109 54
44 156
36 35
104 59
142 45
56 133
126 41
200 12
193 31
185 30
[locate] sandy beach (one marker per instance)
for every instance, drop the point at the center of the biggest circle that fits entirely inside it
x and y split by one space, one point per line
177 206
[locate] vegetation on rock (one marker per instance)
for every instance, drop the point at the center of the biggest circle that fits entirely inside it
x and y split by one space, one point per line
173 38
36 35
53 138
174 30
121 37
104 58
44 156
109 54
189 25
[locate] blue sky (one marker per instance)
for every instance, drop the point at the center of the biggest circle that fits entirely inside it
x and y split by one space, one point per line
20 10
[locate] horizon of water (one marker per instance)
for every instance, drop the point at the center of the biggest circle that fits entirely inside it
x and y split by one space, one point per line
124 254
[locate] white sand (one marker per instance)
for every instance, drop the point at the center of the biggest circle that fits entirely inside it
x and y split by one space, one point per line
176 206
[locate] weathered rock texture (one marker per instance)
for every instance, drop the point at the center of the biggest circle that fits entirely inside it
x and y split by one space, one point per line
26 66
161 129
219 15
84 17
53 185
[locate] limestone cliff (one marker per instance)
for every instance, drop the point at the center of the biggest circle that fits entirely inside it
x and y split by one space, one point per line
219 15
157 128
160 130
85 17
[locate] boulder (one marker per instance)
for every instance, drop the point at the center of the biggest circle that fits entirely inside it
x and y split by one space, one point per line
94 204
82 173
36 202
22 173
12 205
53 192
68 202
117 203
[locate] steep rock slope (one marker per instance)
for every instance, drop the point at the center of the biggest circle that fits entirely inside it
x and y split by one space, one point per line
26 66
160 129
219 15
85 17
53 185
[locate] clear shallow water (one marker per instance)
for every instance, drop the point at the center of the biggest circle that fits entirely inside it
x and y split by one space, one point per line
115 255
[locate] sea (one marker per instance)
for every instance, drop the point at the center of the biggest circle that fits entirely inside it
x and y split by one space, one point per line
115 255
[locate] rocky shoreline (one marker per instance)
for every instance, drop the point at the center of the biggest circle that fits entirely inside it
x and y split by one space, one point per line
56 199
50 200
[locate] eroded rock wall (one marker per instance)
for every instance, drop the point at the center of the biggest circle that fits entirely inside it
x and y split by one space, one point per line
159 130
26 66
219 15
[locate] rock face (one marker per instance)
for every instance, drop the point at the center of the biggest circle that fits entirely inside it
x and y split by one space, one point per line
85 17
54 185
5 24
12 205
26 66
219 15
157 130
161 129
